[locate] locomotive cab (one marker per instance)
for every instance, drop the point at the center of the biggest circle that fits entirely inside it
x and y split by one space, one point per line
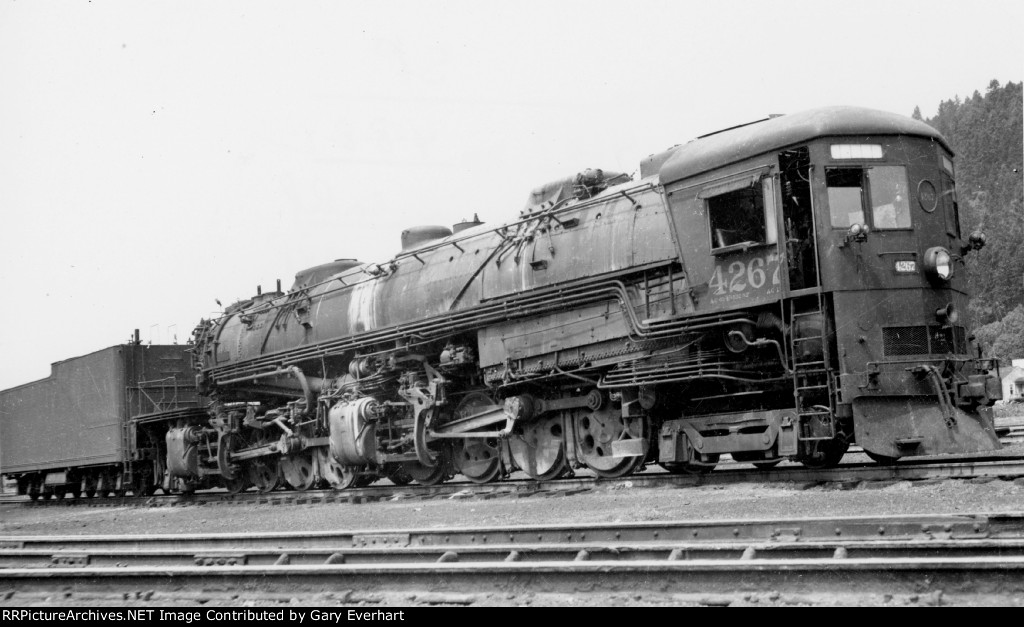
841 227
891 252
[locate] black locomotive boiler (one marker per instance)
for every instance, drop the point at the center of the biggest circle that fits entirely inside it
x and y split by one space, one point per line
773 291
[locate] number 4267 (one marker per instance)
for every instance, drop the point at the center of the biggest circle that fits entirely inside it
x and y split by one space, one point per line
740 276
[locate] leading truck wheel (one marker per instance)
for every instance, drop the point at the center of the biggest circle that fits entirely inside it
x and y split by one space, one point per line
299 470
826 453
337 476
479 459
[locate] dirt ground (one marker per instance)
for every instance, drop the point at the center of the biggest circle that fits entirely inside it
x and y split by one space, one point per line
603 503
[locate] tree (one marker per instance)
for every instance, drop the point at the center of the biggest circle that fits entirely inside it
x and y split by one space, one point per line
1004 339
986 132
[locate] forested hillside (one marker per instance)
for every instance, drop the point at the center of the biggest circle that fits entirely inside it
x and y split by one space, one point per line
987 134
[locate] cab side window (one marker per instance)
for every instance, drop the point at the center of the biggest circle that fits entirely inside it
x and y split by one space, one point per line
950 204
737 217
744 216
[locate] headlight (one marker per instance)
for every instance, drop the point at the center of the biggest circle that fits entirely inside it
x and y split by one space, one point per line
938 263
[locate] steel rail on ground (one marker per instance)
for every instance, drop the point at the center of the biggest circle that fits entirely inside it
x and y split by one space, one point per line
960 555
1009 465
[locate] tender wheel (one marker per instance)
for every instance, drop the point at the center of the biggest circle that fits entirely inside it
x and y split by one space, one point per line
479 459
264 473
107 484
59 492
35 489
539 449
298 470
598 433
89 484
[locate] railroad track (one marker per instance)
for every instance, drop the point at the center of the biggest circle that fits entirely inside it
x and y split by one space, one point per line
1006 465
963 559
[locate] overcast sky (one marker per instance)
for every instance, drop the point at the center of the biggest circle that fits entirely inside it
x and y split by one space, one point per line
156 156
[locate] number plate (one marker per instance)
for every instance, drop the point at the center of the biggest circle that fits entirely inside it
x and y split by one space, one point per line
751 277
906 267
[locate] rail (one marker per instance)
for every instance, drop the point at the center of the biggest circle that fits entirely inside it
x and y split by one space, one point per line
716 562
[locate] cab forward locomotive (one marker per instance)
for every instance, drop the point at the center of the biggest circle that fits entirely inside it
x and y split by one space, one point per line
773 291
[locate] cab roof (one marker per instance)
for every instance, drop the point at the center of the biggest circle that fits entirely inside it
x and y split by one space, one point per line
720 149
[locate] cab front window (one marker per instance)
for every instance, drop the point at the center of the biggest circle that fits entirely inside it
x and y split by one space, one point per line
845 196
890 206
883 189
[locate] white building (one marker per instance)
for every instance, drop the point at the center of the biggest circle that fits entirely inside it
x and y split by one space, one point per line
1013 382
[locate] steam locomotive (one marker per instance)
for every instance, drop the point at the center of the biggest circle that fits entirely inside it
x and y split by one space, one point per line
773 291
